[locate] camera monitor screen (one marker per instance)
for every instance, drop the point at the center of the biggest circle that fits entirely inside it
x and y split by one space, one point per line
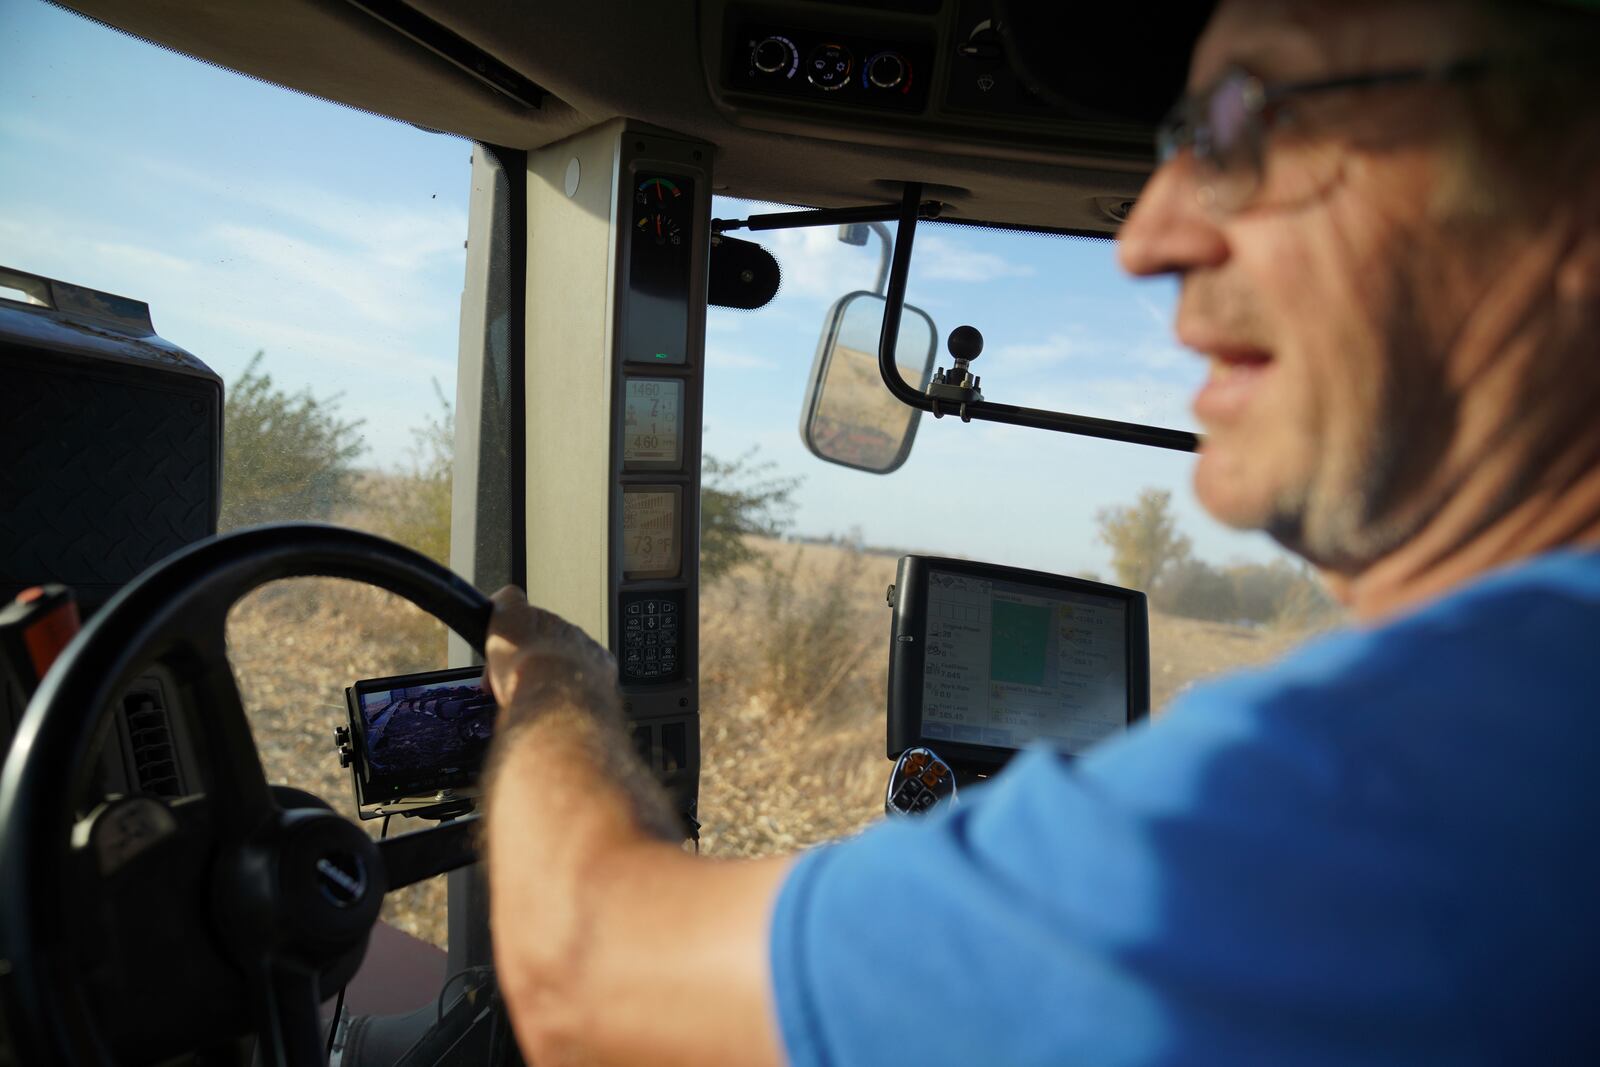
987 659
419 736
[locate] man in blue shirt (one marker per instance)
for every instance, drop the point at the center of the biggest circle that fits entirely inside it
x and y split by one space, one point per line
1386 221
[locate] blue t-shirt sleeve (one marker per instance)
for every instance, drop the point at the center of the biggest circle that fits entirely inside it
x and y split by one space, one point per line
1158 902
935 937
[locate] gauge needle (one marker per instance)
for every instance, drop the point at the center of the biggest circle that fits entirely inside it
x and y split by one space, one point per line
658 225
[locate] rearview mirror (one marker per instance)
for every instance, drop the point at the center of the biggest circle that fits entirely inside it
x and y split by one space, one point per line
849 417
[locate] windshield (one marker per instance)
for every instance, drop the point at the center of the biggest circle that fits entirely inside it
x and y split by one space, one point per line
1064 329
313 255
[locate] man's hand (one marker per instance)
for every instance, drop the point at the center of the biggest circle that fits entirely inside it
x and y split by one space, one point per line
536 657
547 673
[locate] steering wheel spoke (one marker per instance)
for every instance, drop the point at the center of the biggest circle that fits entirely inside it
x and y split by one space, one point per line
234 780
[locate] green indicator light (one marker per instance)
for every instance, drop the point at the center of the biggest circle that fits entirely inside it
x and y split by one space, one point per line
662 355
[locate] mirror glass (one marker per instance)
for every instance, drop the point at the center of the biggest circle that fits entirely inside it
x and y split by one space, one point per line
849 417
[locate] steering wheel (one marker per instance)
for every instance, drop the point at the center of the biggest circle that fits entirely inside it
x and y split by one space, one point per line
145 929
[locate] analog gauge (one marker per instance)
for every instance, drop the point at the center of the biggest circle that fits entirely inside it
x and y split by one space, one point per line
658 193
660 227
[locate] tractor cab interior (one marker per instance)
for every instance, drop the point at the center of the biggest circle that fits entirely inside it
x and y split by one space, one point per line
660 199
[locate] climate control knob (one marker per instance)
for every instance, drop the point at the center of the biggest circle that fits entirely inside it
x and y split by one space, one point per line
828 66
773 55
886 70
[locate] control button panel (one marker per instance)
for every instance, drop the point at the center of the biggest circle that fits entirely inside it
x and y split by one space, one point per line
919 781
651 647
830 67
980 78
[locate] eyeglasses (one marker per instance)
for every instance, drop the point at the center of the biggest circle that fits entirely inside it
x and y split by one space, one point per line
1226 125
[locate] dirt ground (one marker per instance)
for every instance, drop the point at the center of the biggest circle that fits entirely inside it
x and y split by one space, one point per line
794 657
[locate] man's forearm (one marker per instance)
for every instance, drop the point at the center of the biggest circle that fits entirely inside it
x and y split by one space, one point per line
574 759
611 943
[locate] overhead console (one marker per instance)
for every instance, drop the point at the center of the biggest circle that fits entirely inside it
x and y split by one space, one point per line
924 74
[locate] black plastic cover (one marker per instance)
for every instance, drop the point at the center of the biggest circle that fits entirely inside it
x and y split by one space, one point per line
1123 62
743 275
112 439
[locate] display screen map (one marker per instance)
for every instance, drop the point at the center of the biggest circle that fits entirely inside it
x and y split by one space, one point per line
1006 664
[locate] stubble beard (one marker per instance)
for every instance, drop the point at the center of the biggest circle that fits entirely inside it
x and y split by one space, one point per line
1372 486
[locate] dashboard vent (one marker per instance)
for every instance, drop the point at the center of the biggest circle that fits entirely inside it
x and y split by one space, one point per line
155 759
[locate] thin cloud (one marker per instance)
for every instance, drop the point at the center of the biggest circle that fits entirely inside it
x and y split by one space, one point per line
937 258
1053 351
332 278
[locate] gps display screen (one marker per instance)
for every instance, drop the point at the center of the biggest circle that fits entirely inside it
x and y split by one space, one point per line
987 659
1007 663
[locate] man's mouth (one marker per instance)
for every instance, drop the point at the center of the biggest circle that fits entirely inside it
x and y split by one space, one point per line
1237 372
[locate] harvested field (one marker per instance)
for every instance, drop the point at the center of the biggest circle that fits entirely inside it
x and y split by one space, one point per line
794 656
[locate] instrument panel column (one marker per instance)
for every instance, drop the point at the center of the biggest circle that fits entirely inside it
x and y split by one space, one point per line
618 223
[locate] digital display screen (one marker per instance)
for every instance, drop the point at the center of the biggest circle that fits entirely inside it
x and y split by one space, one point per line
422 733
1006 663
652 420
650 524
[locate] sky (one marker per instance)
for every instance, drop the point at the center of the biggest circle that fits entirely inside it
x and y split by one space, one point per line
253 218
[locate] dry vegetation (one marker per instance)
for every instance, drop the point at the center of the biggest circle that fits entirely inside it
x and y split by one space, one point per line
794 656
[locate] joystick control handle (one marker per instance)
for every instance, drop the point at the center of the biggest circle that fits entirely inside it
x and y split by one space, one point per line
919 781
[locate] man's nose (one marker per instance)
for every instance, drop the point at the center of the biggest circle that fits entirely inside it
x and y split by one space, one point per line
1169 232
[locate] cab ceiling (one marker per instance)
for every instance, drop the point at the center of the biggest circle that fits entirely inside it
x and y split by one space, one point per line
658 63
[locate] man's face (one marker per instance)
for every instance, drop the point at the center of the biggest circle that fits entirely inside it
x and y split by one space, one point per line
1328 303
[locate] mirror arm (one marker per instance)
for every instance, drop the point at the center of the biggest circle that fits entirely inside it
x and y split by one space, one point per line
884 248
828 216
1034 418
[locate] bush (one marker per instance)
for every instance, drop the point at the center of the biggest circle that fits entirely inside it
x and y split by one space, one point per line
1197 590
739 498
284 455
811 642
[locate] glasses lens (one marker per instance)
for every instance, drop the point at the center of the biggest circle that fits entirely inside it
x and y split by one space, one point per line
1232 147
1228 115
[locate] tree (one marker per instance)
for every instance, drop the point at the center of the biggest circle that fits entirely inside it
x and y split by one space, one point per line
284 455
1143 538
739 498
